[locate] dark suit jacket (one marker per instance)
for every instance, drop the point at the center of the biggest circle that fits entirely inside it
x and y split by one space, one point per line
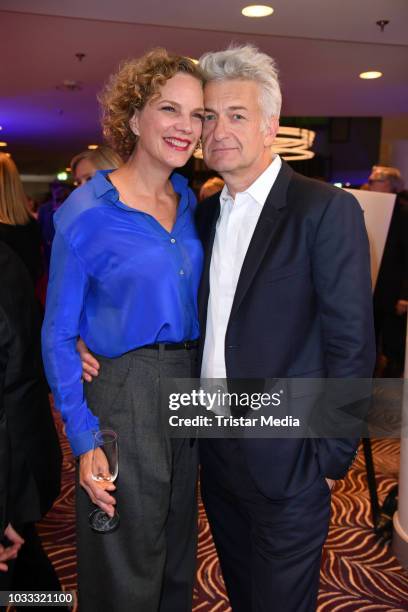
34 454
302 308
3 449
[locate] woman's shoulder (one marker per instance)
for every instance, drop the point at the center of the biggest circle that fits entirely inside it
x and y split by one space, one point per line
82 202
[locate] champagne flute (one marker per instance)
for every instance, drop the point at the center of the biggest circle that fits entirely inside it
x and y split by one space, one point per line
105 466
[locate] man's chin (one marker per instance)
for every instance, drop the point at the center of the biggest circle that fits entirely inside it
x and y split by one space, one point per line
219 165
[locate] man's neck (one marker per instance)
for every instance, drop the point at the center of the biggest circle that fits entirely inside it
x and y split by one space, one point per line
239 182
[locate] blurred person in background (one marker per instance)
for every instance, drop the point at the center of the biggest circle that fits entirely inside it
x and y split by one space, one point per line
391 291
17 227
30 456
210 187
385 179
84 165
60 190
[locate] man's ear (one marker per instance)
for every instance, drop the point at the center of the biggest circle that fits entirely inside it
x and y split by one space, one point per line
134 123
272 126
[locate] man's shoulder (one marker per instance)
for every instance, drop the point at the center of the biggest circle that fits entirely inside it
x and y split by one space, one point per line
313 194
314 187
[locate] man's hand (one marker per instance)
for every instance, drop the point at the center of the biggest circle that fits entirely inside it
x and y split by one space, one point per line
97 491
330 483
10 552
90 366
401 307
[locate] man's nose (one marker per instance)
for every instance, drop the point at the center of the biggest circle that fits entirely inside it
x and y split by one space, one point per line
219 131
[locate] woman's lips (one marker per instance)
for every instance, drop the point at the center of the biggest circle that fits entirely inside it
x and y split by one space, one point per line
178 143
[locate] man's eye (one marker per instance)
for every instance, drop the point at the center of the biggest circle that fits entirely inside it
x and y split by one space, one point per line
238 116
209 117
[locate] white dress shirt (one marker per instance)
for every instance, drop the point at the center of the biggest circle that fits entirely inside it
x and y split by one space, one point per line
235 228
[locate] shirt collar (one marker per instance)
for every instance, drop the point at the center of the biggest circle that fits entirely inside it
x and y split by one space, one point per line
261 187
102 186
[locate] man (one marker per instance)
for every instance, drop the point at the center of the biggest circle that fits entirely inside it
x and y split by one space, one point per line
285 292
30 457
391 291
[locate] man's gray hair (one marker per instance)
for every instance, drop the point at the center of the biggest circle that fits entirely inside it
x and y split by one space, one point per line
246 62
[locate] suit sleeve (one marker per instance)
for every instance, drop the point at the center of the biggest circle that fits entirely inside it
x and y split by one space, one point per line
403 226
341 271
4 455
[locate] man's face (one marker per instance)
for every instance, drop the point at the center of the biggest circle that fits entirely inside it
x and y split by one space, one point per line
236 141
378 182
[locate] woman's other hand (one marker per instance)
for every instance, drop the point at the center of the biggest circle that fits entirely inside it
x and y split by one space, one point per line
97 490
401 307
90 366
11 551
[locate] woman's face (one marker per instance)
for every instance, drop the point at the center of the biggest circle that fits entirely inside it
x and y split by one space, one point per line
169 127
84 171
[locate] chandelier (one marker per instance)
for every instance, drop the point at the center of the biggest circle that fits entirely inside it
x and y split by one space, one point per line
294 143
291 143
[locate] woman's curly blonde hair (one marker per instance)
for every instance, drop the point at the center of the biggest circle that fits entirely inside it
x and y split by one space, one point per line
137 81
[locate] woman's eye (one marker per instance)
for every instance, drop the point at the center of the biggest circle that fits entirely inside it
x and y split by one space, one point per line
198 116
168 108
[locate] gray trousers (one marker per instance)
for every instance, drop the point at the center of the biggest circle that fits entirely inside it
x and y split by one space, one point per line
148 564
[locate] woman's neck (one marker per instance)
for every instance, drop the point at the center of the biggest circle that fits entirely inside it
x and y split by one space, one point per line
142 177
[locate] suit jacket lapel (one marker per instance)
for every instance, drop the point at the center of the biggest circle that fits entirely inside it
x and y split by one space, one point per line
204 289
263 234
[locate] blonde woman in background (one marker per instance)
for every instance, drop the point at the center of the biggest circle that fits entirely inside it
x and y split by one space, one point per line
85 164
17 228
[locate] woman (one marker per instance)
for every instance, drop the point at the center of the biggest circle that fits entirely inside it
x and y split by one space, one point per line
125 269
17 228
85 164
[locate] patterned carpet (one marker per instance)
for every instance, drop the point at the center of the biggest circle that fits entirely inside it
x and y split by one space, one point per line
359 572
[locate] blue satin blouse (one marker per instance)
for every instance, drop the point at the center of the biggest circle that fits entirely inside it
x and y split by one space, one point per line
120 281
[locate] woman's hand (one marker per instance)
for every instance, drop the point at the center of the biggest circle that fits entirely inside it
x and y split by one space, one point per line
97 490
401 307
90 366
10 552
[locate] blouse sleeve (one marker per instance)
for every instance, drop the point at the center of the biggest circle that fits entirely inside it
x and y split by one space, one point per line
68 284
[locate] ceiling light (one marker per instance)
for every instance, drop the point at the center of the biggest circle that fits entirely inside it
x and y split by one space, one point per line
92 147
257 10
3 144
371 74
70 85
62 176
